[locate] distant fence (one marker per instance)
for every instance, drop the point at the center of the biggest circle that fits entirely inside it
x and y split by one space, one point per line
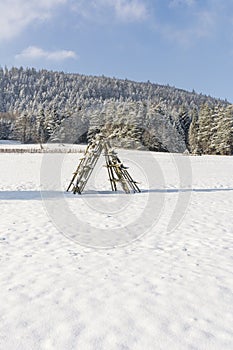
38 150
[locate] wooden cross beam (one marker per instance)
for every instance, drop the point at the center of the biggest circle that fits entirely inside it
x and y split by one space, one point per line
117 172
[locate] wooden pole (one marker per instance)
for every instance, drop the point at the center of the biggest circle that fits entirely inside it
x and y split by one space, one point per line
116 170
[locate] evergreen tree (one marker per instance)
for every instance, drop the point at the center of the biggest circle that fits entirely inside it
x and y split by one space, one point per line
215 137
225 131
193 136
205 128
7 121
125 108
184 121
41 130
22 127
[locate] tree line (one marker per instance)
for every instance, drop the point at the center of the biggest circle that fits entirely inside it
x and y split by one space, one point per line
211 130
42 106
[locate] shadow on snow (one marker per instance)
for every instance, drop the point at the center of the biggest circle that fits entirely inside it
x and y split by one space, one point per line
39 195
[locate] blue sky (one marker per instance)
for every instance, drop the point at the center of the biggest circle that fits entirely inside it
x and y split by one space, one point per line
183 43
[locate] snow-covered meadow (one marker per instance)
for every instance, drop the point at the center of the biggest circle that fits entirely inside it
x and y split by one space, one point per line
112 271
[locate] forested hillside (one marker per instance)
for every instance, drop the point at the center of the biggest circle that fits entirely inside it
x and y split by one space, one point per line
41 106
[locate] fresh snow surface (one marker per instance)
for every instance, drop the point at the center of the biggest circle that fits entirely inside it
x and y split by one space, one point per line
9 142
161 279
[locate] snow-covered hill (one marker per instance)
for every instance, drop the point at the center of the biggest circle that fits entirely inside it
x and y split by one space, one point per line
114 271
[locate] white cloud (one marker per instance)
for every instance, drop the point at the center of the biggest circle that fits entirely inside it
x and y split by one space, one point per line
16 15
206 22
124 10
34 53
175 3
130 10
202 26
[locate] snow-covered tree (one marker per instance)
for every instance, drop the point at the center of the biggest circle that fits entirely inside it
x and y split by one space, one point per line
193 136
225 132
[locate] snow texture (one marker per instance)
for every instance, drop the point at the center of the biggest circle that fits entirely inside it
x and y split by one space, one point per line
164 288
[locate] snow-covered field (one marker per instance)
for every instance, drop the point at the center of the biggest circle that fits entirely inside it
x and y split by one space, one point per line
112 271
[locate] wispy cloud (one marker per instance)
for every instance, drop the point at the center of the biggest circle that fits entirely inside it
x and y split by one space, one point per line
176 3
130 10
123 10
205 24
16 15
202 27
35 53
196 21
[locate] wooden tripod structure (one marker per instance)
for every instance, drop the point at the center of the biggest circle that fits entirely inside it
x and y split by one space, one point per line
117 172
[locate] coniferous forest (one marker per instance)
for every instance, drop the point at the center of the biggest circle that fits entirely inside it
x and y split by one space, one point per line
44 106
